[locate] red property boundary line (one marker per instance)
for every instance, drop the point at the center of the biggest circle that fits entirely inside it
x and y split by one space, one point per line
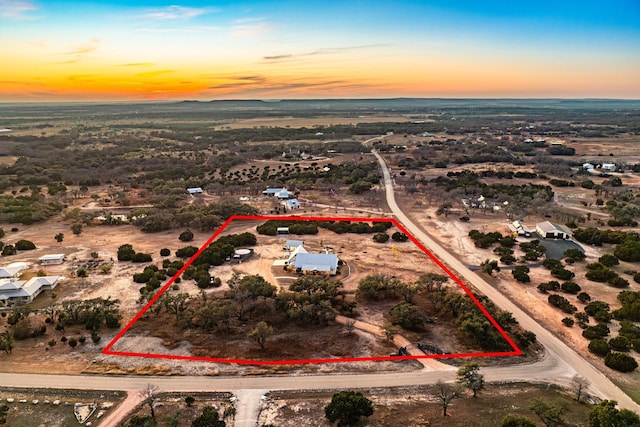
514 352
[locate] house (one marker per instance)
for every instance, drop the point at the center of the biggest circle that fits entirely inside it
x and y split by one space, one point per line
194 190
547 230
609 167
18 292
284 194
587 166
316 263
273 191
291 245
291 204
12 270
289 259
519 229
52 259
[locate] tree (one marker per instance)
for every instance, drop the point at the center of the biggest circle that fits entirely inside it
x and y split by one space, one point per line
6 341
620 362
445 393
605 414
408 316
76 228
25 245
165 252
189 400
59 237
149 396
260 333
347 407
186 236
208 418
516 421
489 267
470 377
579 384
549 413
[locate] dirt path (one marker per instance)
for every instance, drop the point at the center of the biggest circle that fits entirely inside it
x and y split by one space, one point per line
125 408
248 406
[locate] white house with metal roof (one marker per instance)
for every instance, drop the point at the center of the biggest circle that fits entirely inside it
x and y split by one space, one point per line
17 292
12 270
317 263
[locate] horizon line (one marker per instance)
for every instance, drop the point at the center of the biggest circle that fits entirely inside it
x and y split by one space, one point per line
276 100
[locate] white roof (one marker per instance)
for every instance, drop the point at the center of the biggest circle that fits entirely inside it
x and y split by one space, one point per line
21 288
316 262
293 243
50 257
12 269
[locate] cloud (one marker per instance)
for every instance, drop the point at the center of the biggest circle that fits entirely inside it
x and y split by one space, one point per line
247 27
321 51
15 8
85 48
138 64
190 29
174 13
247 84
154 73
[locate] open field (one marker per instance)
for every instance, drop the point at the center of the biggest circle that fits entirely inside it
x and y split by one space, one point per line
35 408
419 407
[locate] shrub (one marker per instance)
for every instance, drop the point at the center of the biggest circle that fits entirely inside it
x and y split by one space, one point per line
24 245
584 297
562 303
603 316
562 273
574 255
186 236
141 257
381 238
545 287
608 260
408 316
567 321
125 252
620 344
620 362
9 250
165 252
599 347
593 307
598 331
520 273
570 287
618 282
399 237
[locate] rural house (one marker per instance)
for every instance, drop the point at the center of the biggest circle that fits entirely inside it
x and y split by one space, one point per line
18 292
547 230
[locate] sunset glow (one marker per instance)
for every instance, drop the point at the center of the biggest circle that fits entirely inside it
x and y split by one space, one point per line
77 51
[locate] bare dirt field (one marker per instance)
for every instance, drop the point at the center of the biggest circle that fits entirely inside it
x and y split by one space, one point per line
43 408
419 407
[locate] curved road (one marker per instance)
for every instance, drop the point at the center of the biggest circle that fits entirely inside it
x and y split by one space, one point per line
561 363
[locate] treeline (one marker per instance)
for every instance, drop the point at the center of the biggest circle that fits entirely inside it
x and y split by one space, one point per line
627 243
270 227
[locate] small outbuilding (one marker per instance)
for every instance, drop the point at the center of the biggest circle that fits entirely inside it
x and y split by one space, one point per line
52 259
547 230
194 190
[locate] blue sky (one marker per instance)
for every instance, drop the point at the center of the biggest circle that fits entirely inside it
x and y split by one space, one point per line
278 49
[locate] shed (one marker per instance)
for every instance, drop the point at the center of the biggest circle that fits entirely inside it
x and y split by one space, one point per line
291 204
547 230
194 190
52 259
282 230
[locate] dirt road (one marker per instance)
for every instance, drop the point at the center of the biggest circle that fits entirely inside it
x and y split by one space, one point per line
561 363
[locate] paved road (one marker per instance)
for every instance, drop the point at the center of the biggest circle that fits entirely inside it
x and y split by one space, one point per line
562 361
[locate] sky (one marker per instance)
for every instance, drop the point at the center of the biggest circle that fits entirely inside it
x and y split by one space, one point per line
149 50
